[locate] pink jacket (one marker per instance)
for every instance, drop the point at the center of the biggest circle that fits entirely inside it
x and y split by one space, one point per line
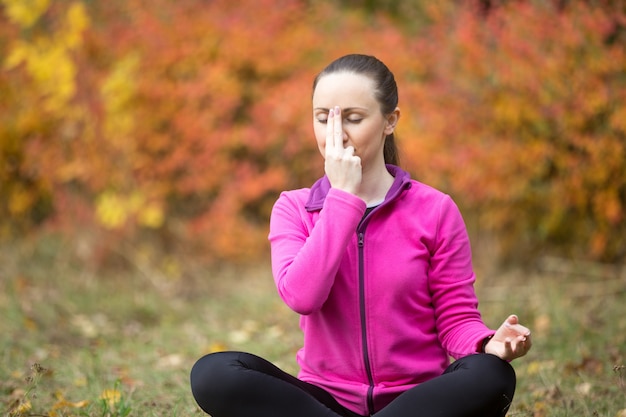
385 301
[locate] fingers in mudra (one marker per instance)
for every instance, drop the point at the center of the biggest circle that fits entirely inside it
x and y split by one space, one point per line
342 165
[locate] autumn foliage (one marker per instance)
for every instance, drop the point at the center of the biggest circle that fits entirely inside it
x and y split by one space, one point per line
172 126
523 114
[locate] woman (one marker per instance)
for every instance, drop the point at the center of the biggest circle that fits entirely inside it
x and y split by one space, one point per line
379 267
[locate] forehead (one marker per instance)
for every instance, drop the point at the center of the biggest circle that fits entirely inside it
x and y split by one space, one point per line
344 89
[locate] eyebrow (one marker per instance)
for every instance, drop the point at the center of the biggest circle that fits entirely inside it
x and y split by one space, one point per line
347 109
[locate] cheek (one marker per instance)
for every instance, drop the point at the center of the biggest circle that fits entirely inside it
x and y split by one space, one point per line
322 148
320 136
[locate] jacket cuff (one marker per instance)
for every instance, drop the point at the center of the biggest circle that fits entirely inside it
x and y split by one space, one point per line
483 343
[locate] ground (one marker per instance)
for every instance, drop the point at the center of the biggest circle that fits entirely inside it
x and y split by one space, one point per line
116 342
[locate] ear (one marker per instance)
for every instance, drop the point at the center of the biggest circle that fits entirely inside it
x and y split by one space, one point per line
392 121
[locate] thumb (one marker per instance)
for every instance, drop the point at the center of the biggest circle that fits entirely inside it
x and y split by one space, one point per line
512 319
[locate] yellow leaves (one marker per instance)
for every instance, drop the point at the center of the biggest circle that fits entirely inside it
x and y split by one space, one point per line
114 403
166 93
545 397
151 216
20 399
30 324
51 68
21 409
25 12
47 58
76 22
30 399
19 53
536 367
113 210
217 347
20 200
117 91
63 404
540 409
111 397
533 368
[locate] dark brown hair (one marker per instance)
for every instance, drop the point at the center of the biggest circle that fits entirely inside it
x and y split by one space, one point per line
386 89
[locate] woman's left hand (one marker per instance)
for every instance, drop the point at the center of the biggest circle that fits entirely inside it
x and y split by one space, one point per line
512 340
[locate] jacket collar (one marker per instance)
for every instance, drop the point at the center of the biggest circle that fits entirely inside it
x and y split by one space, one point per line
320 188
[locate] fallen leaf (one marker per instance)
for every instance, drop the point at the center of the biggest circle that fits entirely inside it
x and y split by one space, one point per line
63 403
535 367
540 409
239 336
217 347
111 396
588 365
21 408
170 361
583 389
80 382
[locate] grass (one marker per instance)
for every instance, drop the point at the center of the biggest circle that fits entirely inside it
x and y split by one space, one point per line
79 342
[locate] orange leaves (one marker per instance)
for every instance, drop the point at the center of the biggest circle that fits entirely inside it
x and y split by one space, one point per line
188 118
221 115
533 94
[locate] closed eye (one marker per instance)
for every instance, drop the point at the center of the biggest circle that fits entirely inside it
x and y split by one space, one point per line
353 121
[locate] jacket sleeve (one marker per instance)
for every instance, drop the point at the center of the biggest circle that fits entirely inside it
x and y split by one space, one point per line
306 255
451 282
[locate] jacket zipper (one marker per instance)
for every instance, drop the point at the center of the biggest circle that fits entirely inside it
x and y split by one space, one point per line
366 357
362 307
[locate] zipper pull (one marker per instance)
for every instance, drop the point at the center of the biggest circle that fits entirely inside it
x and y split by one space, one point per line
361 239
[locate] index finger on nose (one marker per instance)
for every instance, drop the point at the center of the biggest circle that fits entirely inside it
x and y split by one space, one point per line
337 128
330 139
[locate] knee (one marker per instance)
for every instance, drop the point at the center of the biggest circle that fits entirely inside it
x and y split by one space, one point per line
500 378
498 381
203 373
503 380
210 375
492 371
493 361
498 369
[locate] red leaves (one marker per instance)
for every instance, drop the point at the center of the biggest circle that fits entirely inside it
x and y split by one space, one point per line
529 90
202 110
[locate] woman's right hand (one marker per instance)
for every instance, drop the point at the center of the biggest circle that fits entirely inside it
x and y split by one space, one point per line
342 165
512 340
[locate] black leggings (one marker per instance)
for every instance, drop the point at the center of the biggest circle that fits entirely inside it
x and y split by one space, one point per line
236 384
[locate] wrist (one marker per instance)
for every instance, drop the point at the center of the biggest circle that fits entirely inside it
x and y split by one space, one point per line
485 342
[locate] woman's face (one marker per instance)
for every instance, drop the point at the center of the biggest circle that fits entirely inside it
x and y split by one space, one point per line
364 125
